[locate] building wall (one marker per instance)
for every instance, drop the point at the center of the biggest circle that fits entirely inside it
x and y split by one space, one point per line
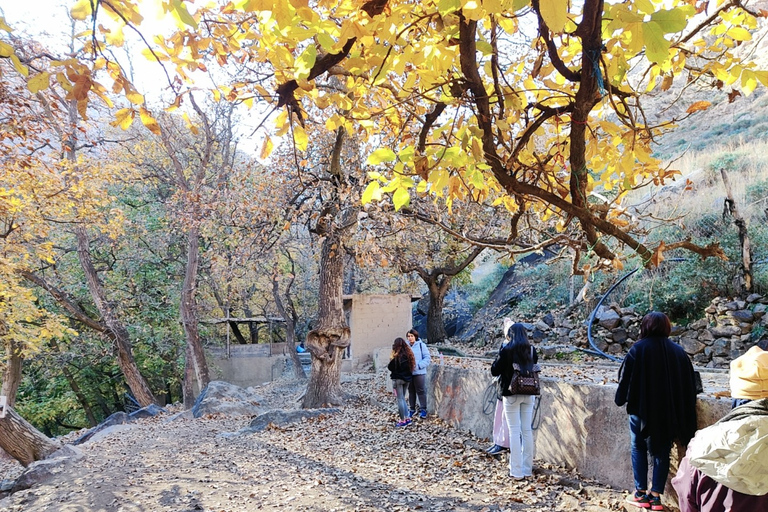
375 322
249 365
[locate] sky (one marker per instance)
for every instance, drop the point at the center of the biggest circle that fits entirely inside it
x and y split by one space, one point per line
47 22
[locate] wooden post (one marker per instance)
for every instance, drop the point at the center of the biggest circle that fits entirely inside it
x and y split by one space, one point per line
228 328
746 250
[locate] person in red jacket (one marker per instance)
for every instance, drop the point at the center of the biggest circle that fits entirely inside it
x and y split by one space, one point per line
658 385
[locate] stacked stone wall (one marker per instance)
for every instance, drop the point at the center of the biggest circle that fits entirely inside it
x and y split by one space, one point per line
730 327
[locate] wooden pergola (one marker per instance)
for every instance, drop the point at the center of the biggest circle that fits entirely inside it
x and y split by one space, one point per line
232 323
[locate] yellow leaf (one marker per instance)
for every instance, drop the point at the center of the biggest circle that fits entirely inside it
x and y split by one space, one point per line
739 33
266 148
3 26
149 121
673 20
372 193
305 62
381 155
181 13
762 76
6 50
699 105
134 97
748 81
124 118
401 198
21 68
300 137
555 14
656 46
115 37
81 10
190 125
38 82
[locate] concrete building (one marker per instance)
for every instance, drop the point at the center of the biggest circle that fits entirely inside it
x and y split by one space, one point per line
374 320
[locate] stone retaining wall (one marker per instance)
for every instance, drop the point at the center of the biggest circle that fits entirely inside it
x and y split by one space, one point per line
729 329
580 426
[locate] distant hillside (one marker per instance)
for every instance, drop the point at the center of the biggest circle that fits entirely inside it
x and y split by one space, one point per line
732 118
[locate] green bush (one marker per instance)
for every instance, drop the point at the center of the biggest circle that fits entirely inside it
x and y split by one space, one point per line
479 291
757 191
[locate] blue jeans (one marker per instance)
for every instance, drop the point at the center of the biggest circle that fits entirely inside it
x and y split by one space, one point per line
399 387
640 459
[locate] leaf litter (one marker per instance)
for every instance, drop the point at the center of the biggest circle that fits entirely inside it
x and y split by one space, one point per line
355 460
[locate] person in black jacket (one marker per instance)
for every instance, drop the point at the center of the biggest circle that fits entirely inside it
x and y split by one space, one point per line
401 367
658 386
518 409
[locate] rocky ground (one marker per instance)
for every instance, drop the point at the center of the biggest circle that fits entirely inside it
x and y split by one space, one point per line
352 460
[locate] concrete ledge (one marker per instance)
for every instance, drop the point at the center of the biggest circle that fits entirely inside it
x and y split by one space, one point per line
580 426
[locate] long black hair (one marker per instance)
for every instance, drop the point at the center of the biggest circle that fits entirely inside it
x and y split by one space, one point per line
519 346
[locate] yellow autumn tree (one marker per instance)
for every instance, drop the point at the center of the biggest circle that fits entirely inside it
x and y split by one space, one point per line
540 100
533 105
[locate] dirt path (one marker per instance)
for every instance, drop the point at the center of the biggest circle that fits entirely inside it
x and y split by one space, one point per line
353 460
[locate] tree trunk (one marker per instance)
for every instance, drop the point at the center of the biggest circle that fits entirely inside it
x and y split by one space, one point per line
328 341
22 441
12 376
188 310
438 282
290 323
236 331
133 377
741 224
435 324
187 385
76 388
80 396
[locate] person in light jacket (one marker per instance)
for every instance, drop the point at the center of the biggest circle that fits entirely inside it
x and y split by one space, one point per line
726 466
418 385
500 427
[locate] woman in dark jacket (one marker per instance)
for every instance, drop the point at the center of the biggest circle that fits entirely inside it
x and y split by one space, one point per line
518 409
657 383
401 366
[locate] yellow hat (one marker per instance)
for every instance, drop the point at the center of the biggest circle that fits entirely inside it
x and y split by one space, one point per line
749 375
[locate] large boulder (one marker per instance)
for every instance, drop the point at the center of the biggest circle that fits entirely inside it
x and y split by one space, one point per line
43 470
721 331
117 418
692 345
225 398
282 418
120 418
146 412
